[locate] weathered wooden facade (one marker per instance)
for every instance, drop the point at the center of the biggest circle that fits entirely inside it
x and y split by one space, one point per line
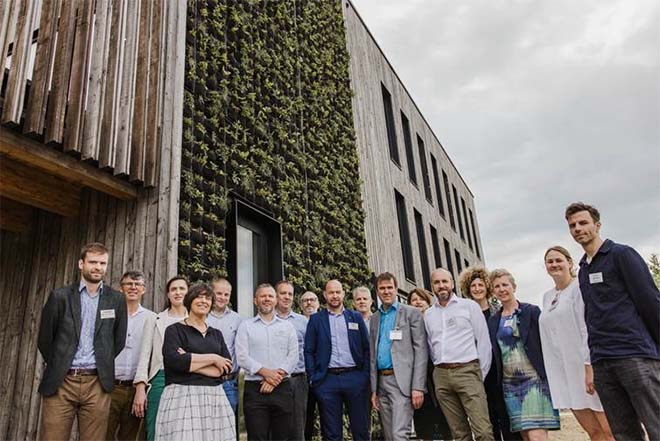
90 146
409 181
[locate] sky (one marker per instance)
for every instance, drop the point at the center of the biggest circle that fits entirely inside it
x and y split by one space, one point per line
539 104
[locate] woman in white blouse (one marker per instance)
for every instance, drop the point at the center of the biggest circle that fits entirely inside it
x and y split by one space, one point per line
150 367
566 353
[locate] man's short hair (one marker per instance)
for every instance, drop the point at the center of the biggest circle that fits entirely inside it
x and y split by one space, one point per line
363 289
199 289
282 282
386 276
220 279
576 207
94 248
133 275
262 286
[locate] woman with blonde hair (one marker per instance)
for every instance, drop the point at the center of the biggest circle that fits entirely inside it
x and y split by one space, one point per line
566 353
475 284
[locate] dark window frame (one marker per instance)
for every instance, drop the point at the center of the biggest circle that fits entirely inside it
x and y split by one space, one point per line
435 242
461 231
423 251
445 180
450 265
404 236
390 126
421 148
467 225
474 235
438 188
410 154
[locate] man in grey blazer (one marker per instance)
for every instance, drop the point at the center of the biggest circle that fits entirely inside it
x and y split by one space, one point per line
83 328
399 356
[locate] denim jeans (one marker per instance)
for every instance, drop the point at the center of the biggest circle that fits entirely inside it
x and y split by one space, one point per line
231 390
630 392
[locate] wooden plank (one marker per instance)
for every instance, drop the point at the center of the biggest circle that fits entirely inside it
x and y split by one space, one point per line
15 93
117 246
61 72
127 91
18 147
15 216
97 79
140 111
78 80
110 220
35 111
106 156
22 183
129 236
9 10
152 146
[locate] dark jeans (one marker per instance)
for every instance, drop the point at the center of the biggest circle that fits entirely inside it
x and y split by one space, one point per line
630 392
335 391
499 417
268 416
310 417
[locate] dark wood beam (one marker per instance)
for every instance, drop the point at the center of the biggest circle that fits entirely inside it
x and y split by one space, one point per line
21 148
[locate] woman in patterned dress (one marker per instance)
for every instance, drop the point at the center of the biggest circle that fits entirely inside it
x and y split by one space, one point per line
514 333
194 405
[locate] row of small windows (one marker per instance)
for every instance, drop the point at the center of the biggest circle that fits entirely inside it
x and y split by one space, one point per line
465 230
407 252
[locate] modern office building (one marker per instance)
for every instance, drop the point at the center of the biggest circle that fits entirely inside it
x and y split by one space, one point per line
257 140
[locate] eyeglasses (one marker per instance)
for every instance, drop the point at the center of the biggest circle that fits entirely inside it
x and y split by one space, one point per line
132 284
308 300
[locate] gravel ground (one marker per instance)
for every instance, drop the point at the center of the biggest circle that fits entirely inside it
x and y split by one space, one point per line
570 429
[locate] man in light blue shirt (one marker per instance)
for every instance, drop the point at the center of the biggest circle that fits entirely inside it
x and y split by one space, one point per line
267 349
227 321
284 291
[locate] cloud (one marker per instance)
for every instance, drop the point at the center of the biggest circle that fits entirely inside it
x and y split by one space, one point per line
538 104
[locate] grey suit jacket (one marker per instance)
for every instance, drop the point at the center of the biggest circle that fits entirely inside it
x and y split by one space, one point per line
59 335
409 355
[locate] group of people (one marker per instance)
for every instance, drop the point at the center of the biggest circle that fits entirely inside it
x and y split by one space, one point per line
473 364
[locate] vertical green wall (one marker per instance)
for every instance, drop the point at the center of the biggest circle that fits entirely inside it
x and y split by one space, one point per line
268 116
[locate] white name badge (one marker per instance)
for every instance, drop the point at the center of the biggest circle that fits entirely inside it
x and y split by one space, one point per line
595 278
107 314
353 326
396 334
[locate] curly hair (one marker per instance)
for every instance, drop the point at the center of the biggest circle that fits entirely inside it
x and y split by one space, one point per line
466 278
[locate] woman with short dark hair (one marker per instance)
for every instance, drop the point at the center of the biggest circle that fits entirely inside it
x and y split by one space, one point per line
194 405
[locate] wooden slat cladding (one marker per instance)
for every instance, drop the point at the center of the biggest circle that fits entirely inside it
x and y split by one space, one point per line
95 78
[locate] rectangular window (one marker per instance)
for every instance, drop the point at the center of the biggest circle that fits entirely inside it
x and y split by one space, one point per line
423 252
466 263
474 235
458 262
389 123
452 222
425 169
449 267
436 247
410 157
438 189
404 235
465 221
458 213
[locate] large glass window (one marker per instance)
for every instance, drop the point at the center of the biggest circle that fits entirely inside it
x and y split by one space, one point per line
438 189
423 252
474 235
452 222
389 123
404 236
410 157
465 221
450 266
425 169
458 213
436 247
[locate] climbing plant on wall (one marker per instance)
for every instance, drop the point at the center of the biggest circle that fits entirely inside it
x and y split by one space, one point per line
268 116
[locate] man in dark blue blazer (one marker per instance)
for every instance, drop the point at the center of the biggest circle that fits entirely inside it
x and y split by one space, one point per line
337 365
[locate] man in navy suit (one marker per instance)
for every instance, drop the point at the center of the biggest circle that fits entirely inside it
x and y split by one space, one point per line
337 365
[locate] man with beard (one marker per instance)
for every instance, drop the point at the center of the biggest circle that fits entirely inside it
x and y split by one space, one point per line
337 364
622 312
299 385
83 328
309 304
267 349
461 352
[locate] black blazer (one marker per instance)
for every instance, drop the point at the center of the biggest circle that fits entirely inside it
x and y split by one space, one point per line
59 335
528 325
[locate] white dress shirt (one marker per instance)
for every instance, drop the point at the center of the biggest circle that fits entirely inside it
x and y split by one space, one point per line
458 333
126 362
273 345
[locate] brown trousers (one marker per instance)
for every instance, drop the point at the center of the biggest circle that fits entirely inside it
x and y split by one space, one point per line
462 397
122 424
80 395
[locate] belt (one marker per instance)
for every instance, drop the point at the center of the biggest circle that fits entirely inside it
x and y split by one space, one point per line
339 371
386 372
229 377
297 374
123 382
455 365
77 372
